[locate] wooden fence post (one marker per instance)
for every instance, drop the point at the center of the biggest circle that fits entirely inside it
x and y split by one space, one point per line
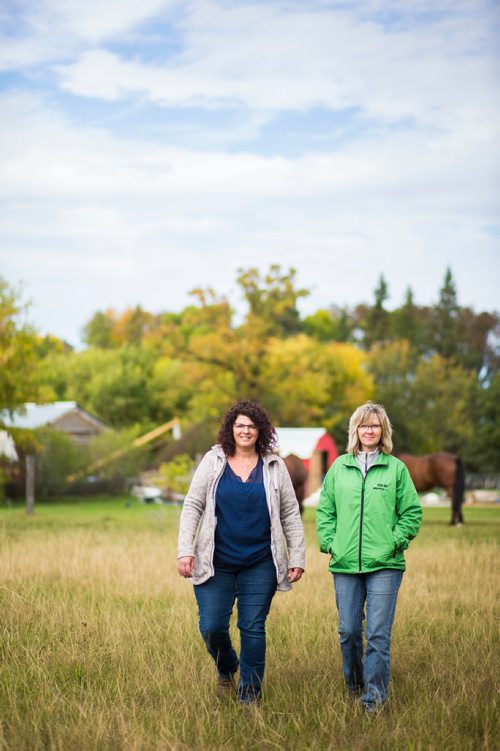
30 483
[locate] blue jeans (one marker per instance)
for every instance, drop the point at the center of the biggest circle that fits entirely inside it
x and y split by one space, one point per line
379 591
254 588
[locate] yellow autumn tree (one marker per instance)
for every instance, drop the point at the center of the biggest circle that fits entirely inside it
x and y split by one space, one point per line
313 383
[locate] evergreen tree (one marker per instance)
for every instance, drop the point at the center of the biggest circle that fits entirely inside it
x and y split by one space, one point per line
344 326
404 319
376 328
445 320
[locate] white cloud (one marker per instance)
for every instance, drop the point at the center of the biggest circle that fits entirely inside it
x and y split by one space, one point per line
100 21
119 219
269 58
46 30
46 160
43 156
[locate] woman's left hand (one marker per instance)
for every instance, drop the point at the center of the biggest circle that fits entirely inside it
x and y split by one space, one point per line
294 574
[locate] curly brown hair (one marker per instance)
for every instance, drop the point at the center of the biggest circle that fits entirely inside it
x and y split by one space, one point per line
266 439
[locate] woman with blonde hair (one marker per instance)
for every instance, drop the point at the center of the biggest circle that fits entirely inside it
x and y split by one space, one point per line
368 513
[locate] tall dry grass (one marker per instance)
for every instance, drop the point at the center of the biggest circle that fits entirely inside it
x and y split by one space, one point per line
100 648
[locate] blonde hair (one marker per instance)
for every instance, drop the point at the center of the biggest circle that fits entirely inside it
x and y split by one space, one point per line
359 416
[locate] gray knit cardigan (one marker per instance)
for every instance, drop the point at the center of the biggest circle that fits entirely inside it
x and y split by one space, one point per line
198 520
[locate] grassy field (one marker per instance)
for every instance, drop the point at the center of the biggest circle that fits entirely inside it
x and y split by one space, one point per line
100 647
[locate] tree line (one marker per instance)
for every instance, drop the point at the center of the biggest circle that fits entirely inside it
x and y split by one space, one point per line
434 367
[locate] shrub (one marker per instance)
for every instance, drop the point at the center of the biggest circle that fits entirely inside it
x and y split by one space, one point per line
175 476
57 457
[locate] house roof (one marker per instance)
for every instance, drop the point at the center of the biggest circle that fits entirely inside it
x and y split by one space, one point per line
36 415
299 441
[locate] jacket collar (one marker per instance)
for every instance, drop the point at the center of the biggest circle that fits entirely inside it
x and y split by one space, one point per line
350 461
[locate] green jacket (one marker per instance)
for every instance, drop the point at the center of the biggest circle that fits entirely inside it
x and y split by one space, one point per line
366 524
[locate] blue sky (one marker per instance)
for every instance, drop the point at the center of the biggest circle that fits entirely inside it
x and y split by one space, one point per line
150 148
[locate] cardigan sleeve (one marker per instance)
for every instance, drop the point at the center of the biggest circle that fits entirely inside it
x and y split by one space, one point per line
194 506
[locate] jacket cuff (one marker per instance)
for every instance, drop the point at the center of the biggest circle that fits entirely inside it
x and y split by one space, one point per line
400 542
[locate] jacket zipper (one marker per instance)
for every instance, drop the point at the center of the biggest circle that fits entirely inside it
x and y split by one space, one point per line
367 469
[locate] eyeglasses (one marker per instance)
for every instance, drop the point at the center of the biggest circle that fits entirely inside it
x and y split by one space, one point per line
366 428
241 427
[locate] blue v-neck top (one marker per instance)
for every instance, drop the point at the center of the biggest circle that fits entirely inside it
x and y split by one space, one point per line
243 531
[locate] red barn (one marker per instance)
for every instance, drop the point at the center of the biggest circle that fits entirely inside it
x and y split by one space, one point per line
314 446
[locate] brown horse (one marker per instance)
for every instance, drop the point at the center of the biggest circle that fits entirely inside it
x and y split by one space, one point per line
298 474
441 470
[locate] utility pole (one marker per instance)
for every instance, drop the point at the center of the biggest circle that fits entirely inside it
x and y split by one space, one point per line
30 483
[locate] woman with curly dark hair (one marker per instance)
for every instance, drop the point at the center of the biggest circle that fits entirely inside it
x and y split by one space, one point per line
240 538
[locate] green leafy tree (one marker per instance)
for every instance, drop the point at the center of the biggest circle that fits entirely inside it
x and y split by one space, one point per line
119 391
134 326
18 381
301 380
310 383
110 329
170 382
195 363
321 325
57 457
431 402
176 475
442 414
119 461
228 364
392 365
98 332
273 298
484 450
478 342
113 384
55 374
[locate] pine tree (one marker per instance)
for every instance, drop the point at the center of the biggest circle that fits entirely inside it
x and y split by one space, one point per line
445 320
377 320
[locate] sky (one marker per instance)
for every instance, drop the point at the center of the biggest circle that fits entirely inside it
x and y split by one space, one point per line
150 148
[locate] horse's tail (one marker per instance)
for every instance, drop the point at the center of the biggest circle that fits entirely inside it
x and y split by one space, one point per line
458 491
